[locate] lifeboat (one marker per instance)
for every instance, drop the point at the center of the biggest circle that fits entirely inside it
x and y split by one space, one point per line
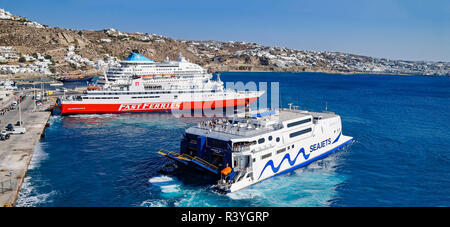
226 171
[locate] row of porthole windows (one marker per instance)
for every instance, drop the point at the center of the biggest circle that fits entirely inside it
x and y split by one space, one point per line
262 140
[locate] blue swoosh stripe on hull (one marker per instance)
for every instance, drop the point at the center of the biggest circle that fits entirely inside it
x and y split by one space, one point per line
288 157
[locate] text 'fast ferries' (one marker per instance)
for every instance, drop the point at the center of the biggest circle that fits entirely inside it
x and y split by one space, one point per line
149 106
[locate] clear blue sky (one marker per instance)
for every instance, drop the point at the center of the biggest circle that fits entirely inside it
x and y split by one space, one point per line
402 29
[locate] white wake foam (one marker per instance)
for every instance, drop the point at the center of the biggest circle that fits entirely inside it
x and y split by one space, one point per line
38 156
160 179
91 116
28 198
154 203
168 186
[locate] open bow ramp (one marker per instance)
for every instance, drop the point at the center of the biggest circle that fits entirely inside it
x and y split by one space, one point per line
188 160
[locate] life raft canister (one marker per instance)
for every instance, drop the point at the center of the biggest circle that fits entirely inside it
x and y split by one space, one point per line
226 171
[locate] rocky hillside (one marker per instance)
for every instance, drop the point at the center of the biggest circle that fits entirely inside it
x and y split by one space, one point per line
68 50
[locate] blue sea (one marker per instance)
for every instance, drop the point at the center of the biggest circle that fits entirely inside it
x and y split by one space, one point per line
400 155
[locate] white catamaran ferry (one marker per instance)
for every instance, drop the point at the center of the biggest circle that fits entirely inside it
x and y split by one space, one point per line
243 151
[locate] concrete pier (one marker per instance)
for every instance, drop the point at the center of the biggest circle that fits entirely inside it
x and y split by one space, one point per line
17 151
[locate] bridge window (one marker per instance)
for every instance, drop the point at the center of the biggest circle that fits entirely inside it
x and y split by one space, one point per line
301 132
144 97
298 122
281 150
266 156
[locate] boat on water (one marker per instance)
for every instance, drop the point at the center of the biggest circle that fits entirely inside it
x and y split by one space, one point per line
244 150
8 85
56 84
142 91
73 78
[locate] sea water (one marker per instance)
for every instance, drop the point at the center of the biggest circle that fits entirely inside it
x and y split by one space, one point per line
400 155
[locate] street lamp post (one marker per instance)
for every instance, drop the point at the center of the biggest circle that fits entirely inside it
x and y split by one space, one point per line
10 179
20 112
34 88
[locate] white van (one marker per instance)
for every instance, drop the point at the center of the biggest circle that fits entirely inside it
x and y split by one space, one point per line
19 131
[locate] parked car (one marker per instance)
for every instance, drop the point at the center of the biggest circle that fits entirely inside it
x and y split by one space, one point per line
19 131
4 135
9 127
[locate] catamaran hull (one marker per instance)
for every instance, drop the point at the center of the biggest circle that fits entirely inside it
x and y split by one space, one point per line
281 164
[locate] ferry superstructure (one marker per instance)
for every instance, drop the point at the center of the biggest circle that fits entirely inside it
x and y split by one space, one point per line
156 92
243 151
138 65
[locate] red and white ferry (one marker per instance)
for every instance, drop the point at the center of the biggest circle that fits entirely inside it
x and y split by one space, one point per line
141 91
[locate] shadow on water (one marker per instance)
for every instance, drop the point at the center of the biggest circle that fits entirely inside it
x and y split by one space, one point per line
191 176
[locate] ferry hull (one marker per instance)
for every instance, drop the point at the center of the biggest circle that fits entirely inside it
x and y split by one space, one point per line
86 108
344 140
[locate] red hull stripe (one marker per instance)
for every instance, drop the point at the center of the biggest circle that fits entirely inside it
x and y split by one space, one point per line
148 107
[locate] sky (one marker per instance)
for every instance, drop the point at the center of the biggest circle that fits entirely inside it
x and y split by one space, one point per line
395 29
